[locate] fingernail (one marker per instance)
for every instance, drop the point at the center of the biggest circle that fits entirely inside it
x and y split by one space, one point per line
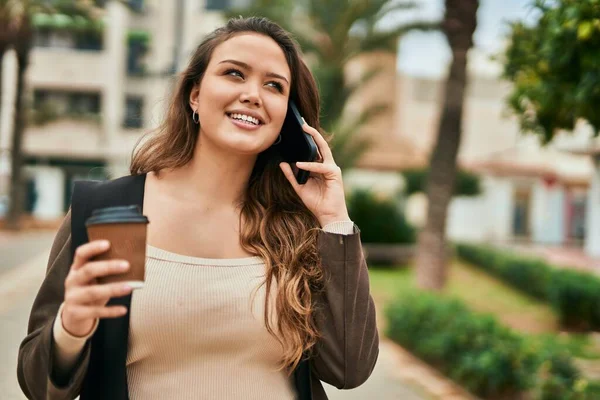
123 265
126 288
104 243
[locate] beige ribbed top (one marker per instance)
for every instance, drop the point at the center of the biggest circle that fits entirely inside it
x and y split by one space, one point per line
224 351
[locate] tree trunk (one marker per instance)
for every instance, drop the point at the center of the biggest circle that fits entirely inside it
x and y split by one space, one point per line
17 185
459 24
2 52
3 151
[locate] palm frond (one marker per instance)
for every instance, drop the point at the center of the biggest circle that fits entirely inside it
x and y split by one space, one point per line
392 7
347 147
388 40
349 142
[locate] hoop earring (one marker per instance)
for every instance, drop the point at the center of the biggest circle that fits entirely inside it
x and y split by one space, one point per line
195 117
278 140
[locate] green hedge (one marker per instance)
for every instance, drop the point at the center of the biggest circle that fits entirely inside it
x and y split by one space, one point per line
527 274
474 350
380 220
479 353
574 295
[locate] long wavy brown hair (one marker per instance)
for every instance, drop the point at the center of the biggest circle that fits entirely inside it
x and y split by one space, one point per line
276 224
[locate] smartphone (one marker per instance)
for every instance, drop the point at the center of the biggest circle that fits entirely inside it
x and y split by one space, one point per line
296 145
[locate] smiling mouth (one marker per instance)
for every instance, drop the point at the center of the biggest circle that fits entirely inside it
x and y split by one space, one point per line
244 119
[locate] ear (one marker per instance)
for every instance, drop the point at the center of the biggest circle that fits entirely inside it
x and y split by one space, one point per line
194 95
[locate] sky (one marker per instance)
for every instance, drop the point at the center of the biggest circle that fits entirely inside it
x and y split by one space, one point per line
427 54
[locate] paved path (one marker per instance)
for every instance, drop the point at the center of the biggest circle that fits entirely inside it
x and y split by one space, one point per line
383 384
17 248
19 284
18 287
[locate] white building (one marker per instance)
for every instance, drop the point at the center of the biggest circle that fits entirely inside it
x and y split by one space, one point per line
92 94
530 193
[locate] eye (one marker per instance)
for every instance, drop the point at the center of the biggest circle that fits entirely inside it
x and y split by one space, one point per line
234 72
278 86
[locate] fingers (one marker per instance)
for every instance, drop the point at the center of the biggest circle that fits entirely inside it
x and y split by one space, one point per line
322 144
89 250
92 270
327 170
96 294
289 174
81 312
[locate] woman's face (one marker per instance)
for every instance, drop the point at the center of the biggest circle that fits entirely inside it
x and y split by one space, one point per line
242 98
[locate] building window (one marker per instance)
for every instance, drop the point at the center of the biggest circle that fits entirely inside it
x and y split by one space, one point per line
49 105
67 32
60 39
136 5
134 107
217 4
137 43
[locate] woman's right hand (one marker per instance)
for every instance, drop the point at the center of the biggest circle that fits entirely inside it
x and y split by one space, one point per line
85 299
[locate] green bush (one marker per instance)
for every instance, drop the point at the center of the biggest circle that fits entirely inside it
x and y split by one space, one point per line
473 349
379 220
558 378
527 274
467 183
482 355
574 295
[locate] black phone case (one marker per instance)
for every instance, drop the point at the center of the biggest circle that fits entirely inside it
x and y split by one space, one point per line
296 145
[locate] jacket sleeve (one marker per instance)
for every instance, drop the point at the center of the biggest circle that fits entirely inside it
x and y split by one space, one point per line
35 370
347 351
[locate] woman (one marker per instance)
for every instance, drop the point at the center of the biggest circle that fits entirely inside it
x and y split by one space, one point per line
249 275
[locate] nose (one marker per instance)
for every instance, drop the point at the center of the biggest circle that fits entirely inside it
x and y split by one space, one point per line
250 96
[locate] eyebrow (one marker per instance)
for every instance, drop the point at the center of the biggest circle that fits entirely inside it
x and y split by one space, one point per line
246 66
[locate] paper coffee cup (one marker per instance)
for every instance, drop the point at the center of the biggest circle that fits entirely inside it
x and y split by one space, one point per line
125 228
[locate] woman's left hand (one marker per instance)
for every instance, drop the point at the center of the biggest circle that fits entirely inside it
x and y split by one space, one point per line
323 193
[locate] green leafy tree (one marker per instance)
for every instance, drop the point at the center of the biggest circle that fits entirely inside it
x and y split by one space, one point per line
333 32
554 64
460 22
467 183
17 32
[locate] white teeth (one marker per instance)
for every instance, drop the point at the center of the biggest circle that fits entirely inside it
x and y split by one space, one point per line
246 118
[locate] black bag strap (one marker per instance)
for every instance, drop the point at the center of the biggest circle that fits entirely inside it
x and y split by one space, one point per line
302 380
106 377
90 195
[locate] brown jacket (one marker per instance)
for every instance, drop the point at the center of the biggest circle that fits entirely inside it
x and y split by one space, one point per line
345 356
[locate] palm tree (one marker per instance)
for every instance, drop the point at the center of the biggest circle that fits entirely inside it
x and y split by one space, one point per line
334 32
460 22
18 34
6 36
